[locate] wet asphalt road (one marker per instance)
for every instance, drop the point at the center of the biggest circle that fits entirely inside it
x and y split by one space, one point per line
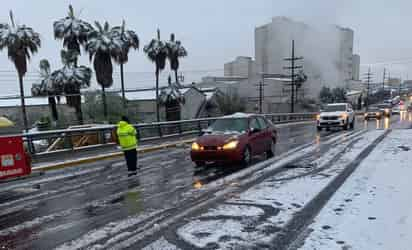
47 211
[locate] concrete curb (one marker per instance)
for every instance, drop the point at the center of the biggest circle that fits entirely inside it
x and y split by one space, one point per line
56 166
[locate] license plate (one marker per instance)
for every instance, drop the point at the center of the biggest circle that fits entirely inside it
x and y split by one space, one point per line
7 160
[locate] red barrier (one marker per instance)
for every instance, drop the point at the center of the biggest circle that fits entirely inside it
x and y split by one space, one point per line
13 159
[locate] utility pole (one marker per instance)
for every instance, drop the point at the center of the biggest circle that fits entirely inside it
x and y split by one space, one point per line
293 67
384 78
368 78
261 89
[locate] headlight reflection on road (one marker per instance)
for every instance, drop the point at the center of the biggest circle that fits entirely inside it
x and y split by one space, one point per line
387 123
378 124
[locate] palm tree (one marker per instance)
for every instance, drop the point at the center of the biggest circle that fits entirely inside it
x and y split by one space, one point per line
46 87
156 51
72 30
128 39
102 47
175 51
21 42
71 79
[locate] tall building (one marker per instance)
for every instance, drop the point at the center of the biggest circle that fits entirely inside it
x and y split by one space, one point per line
356 67
327 51
242 66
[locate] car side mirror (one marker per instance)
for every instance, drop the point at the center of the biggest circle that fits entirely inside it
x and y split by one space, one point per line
254 131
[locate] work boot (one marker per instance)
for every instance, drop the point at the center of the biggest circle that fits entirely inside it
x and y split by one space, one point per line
131 173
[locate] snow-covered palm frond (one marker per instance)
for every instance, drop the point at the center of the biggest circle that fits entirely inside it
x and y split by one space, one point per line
102 45
170 93
45 86
156 51
102 40
21 42
127 40
69 57
175 48
70 77
72 30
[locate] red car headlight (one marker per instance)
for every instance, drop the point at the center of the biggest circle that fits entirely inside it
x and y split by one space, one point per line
196 147
230 145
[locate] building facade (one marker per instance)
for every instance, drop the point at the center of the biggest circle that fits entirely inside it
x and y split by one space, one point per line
356 67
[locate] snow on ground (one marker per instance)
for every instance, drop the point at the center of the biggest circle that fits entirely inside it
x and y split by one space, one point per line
373 208
240 221
161 244
235 211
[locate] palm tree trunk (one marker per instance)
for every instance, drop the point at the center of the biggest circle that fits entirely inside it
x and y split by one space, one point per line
123 90
79 113
157 95
177 78
104 103
23 104
53 108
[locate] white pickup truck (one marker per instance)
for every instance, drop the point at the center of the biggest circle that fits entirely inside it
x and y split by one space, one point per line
336 115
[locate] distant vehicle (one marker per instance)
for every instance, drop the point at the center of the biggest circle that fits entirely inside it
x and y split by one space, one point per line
373 113
396 110
386 109
235 139
409 107
336 115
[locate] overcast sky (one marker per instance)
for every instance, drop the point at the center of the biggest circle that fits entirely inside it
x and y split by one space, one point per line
216 31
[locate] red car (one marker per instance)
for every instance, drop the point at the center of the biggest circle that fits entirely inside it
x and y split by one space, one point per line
235 139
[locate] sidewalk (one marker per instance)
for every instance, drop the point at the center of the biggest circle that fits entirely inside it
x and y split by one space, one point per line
373 208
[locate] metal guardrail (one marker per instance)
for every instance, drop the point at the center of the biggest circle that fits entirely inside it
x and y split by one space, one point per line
38 142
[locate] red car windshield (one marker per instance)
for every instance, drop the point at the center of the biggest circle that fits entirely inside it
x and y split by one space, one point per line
229 125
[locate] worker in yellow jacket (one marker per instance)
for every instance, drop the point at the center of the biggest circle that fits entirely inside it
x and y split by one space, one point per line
127 139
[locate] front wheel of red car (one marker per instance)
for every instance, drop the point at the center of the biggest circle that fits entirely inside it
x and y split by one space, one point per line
271 151
246 156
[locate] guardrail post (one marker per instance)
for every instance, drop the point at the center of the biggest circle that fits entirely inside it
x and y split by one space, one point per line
199 127
30 145
138 133
159 127
103 132
68 141
179 127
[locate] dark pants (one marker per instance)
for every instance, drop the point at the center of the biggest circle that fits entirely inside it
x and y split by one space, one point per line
131 160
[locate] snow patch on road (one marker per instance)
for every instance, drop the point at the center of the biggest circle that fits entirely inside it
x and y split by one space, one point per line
372 209
112 229
161 244
234 211
228 233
